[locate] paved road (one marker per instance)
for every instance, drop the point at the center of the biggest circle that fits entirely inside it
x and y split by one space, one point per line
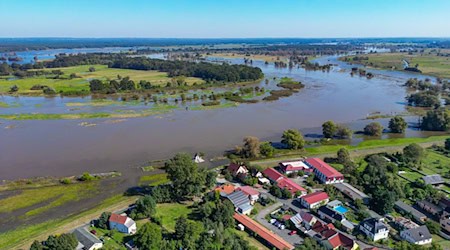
260 217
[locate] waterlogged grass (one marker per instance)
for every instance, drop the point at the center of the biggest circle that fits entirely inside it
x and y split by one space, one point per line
155 179
54 195
102 103
26 233
222 105
3 105
170 212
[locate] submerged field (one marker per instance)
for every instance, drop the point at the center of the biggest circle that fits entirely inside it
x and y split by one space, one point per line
429 63
81 83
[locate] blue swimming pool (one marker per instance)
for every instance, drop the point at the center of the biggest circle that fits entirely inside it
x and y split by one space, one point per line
341 209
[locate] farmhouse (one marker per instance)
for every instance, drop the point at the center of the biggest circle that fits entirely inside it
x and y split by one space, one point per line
314 200
122 223
324 172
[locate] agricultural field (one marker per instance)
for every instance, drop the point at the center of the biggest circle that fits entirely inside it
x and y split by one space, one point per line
81 82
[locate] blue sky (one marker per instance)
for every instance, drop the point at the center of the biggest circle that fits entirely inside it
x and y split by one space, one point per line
224 18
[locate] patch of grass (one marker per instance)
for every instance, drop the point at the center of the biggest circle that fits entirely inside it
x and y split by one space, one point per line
116 241
412 175
4 105
441 241
55 195
251 240
435 163
147 168
222 105
168 213
155 179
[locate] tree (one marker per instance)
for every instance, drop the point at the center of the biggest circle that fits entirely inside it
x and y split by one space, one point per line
436 120
343 156
434 227
96 85
286 194
103 220
37 246
329 128
188 232
149 236
397 124
266 149
447 144
343 132
13 89
310 244
186 177
413 153
373 129
61 242
251 147
210 179
145 208
276 191
293 139
91 69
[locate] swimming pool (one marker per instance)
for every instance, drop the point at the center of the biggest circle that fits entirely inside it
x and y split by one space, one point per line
341 209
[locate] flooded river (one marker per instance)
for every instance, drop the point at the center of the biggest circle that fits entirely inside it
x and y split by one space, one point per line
33 148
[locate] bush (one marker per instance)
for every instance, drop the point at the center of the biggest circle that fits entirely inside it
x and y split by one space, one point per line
373 129
66 181
86 177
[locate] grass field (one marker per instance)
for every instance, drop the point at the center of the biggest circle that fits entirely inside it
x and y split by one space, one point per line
52 196
435 163
413 176
170 212
251 240
65 84
154 180
429 64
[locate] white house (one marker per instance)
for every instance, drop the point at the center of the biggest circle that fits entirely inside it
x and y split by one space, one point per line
122 223
374 228
419 235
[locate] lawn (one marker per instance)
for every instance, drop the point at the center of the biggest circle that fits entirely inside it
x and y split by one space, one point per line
49 197
168 213
412 175
154 180
116 241
81 83
435 163
251 240
441 241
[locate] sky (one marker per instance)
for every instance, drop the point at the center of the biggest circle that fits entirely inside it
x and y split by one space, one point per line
225 18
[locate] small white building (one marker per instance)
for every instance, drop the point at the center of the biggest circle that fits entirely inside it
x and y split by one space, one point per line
86 240
122 223
374 228
419 235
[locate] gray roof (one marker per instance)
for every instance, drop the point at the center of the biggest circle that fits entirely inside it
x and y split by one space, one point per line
331 213
407 208
238 198
419 233
85 238
351 191
433 179
373 225
245 207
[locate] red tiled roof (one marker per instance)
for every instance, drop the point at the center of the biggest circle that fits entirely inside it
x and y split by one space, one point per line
263 232
340 240
323 167
315 197
227 189
248 190
272 174
290 185
118 218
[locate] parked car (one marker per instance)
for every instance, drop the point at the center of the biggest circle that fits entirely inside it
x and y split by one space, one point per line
282 227
272 221
292 232
93 232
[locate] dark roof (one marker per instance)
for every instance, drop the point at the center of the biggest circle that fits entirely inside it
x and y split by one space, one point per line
433 179
407 208
373 225
331 213
419 233
85 238
238 198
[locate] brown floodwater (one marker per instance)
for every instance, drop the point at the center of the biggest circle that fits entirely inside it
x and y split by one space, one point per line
32 148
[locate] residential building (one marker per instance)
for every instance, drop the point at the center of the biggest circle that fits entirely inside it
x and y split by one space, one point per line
269 237
303 219
374 228
314 200
241 202
352 192
429 207
330 215
252 194
293 167
405 208
86 240
444 220
419 235
324 172
273 174
327 236
292 187
122 223
237 170
434 179
404 223
225 189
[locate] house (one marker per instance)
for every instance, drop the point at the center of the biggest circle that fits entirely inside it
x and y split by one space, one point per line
419 235
444 220
330 215
241 202
429 207
86 240
324 172
198 159
225 189
268 236
314 200
352 192
304 219
434 179
374 228
292 187
289 167
252 194
339 241
263 181
405 208
122 223
237 170
403 223
273 175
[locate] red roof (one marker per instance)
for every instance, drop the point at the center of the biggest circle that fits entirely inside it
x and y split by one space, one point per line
290 185
263 232
340 240
248 190
121 219
272 174
315 197
227 188
323 167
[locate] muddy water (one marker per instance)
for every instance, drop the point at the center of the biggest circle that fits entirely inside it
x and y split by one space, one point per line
62 147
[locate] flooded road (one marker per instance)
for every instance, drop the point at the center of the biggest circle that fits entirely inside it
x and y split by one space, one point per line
33 148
